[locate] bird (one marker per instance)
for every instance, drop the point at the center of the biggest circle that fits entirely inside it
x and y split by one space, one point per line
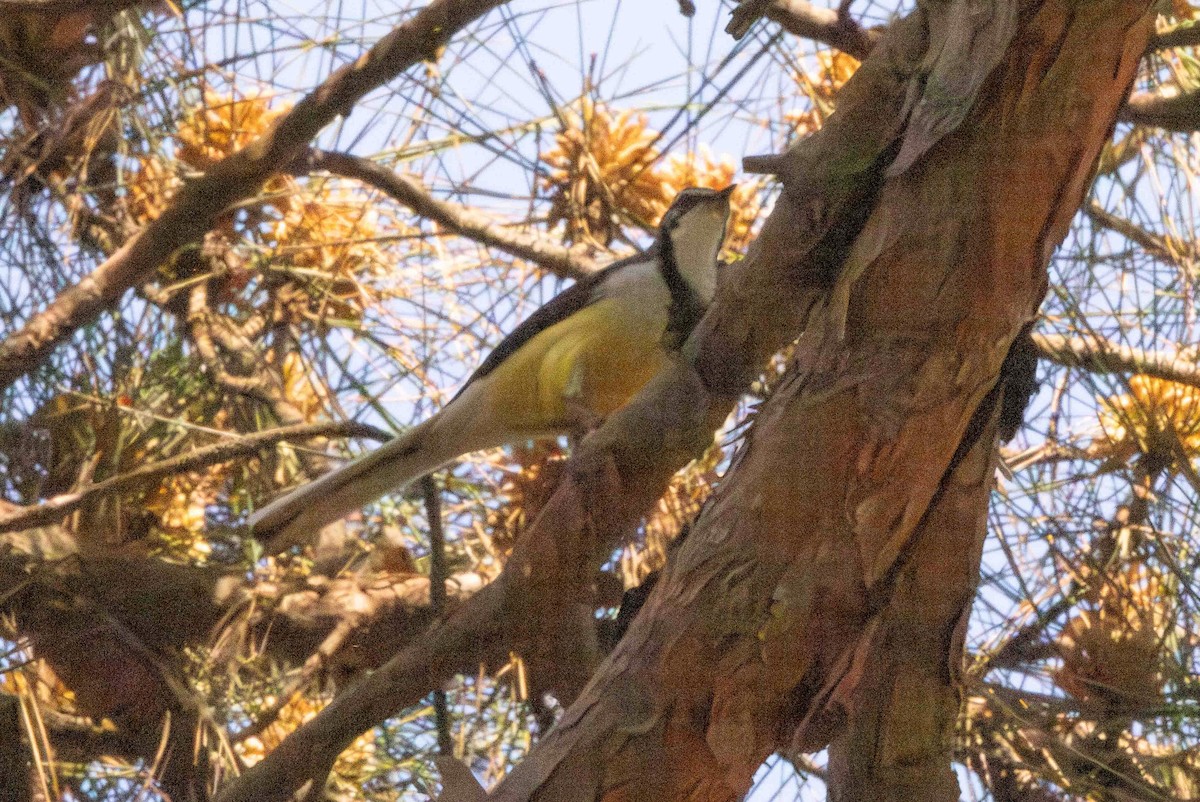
571 363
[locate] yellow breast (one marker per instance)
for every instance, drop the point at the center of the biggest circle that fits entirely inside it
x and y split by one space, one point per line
598 359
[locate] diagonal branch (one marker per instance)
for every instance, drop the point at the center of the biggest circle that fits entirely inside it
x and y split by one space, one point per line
835 28
565 262
825 25
55 509
198 204
1164 247
67 6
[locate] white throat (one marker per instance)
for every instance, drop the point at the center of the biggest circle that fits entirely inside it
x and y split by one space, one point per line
695 242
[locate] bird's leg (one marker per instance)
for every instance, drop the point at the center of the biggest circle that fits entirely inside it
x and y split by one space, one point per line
582 420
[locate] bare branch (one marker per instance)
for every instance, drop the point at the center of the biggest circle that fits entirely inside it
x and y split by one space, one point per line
1168 249
55 509
803 19
1181 36
68 6
565 262
1166 108
1095 353
198 204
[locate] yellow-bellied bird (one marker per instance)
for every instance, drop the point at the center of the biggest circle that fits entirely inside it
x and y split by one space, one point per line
584 354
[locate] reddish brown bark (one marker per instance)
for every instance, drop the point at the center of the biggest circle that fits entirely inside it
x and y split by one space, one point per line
785 596
900 696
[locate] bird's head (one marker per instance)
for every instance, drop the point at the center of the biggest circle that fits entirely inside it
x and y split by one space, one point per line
694 228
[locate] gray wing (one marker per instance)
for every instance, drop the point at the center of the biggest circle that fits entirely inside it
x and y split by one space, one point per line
560 307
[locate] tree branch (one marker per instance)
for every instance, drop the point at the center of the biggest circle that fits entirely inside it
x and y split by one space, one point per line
237 177
1166 248
1179 36
571 263
834 28
824 25
55 509
68 6
1166 108
1095 353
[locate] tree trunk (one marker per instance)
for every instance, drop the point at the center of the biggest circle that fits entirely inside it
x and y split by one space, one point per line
820 597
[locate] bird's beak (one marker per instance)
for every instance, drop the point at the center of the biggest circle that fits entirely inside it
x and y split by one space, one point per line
725 193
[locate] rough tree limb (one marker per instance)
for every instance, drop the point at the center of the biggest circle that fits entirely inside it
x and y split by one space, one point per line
573 263
1171 110
61 7
901 693
199 202
110 624
754 631
622 469
54 509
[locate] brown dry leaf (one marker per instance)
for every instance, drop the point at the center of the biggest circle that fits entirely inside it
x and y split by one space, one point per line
222 125
1182 9
533 474
179 504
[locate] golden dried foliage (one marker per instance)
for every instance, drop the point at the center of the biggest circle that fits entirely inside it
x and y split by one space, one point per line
221 125
1112 651
358 760
604 169
180 503
1182 9
1156 417
834 68
90 440
322 233
531 476
535 471
601 171
686 493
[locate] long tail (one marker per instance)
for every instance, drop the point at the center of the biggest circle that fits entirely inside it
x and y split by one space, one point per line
301 513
